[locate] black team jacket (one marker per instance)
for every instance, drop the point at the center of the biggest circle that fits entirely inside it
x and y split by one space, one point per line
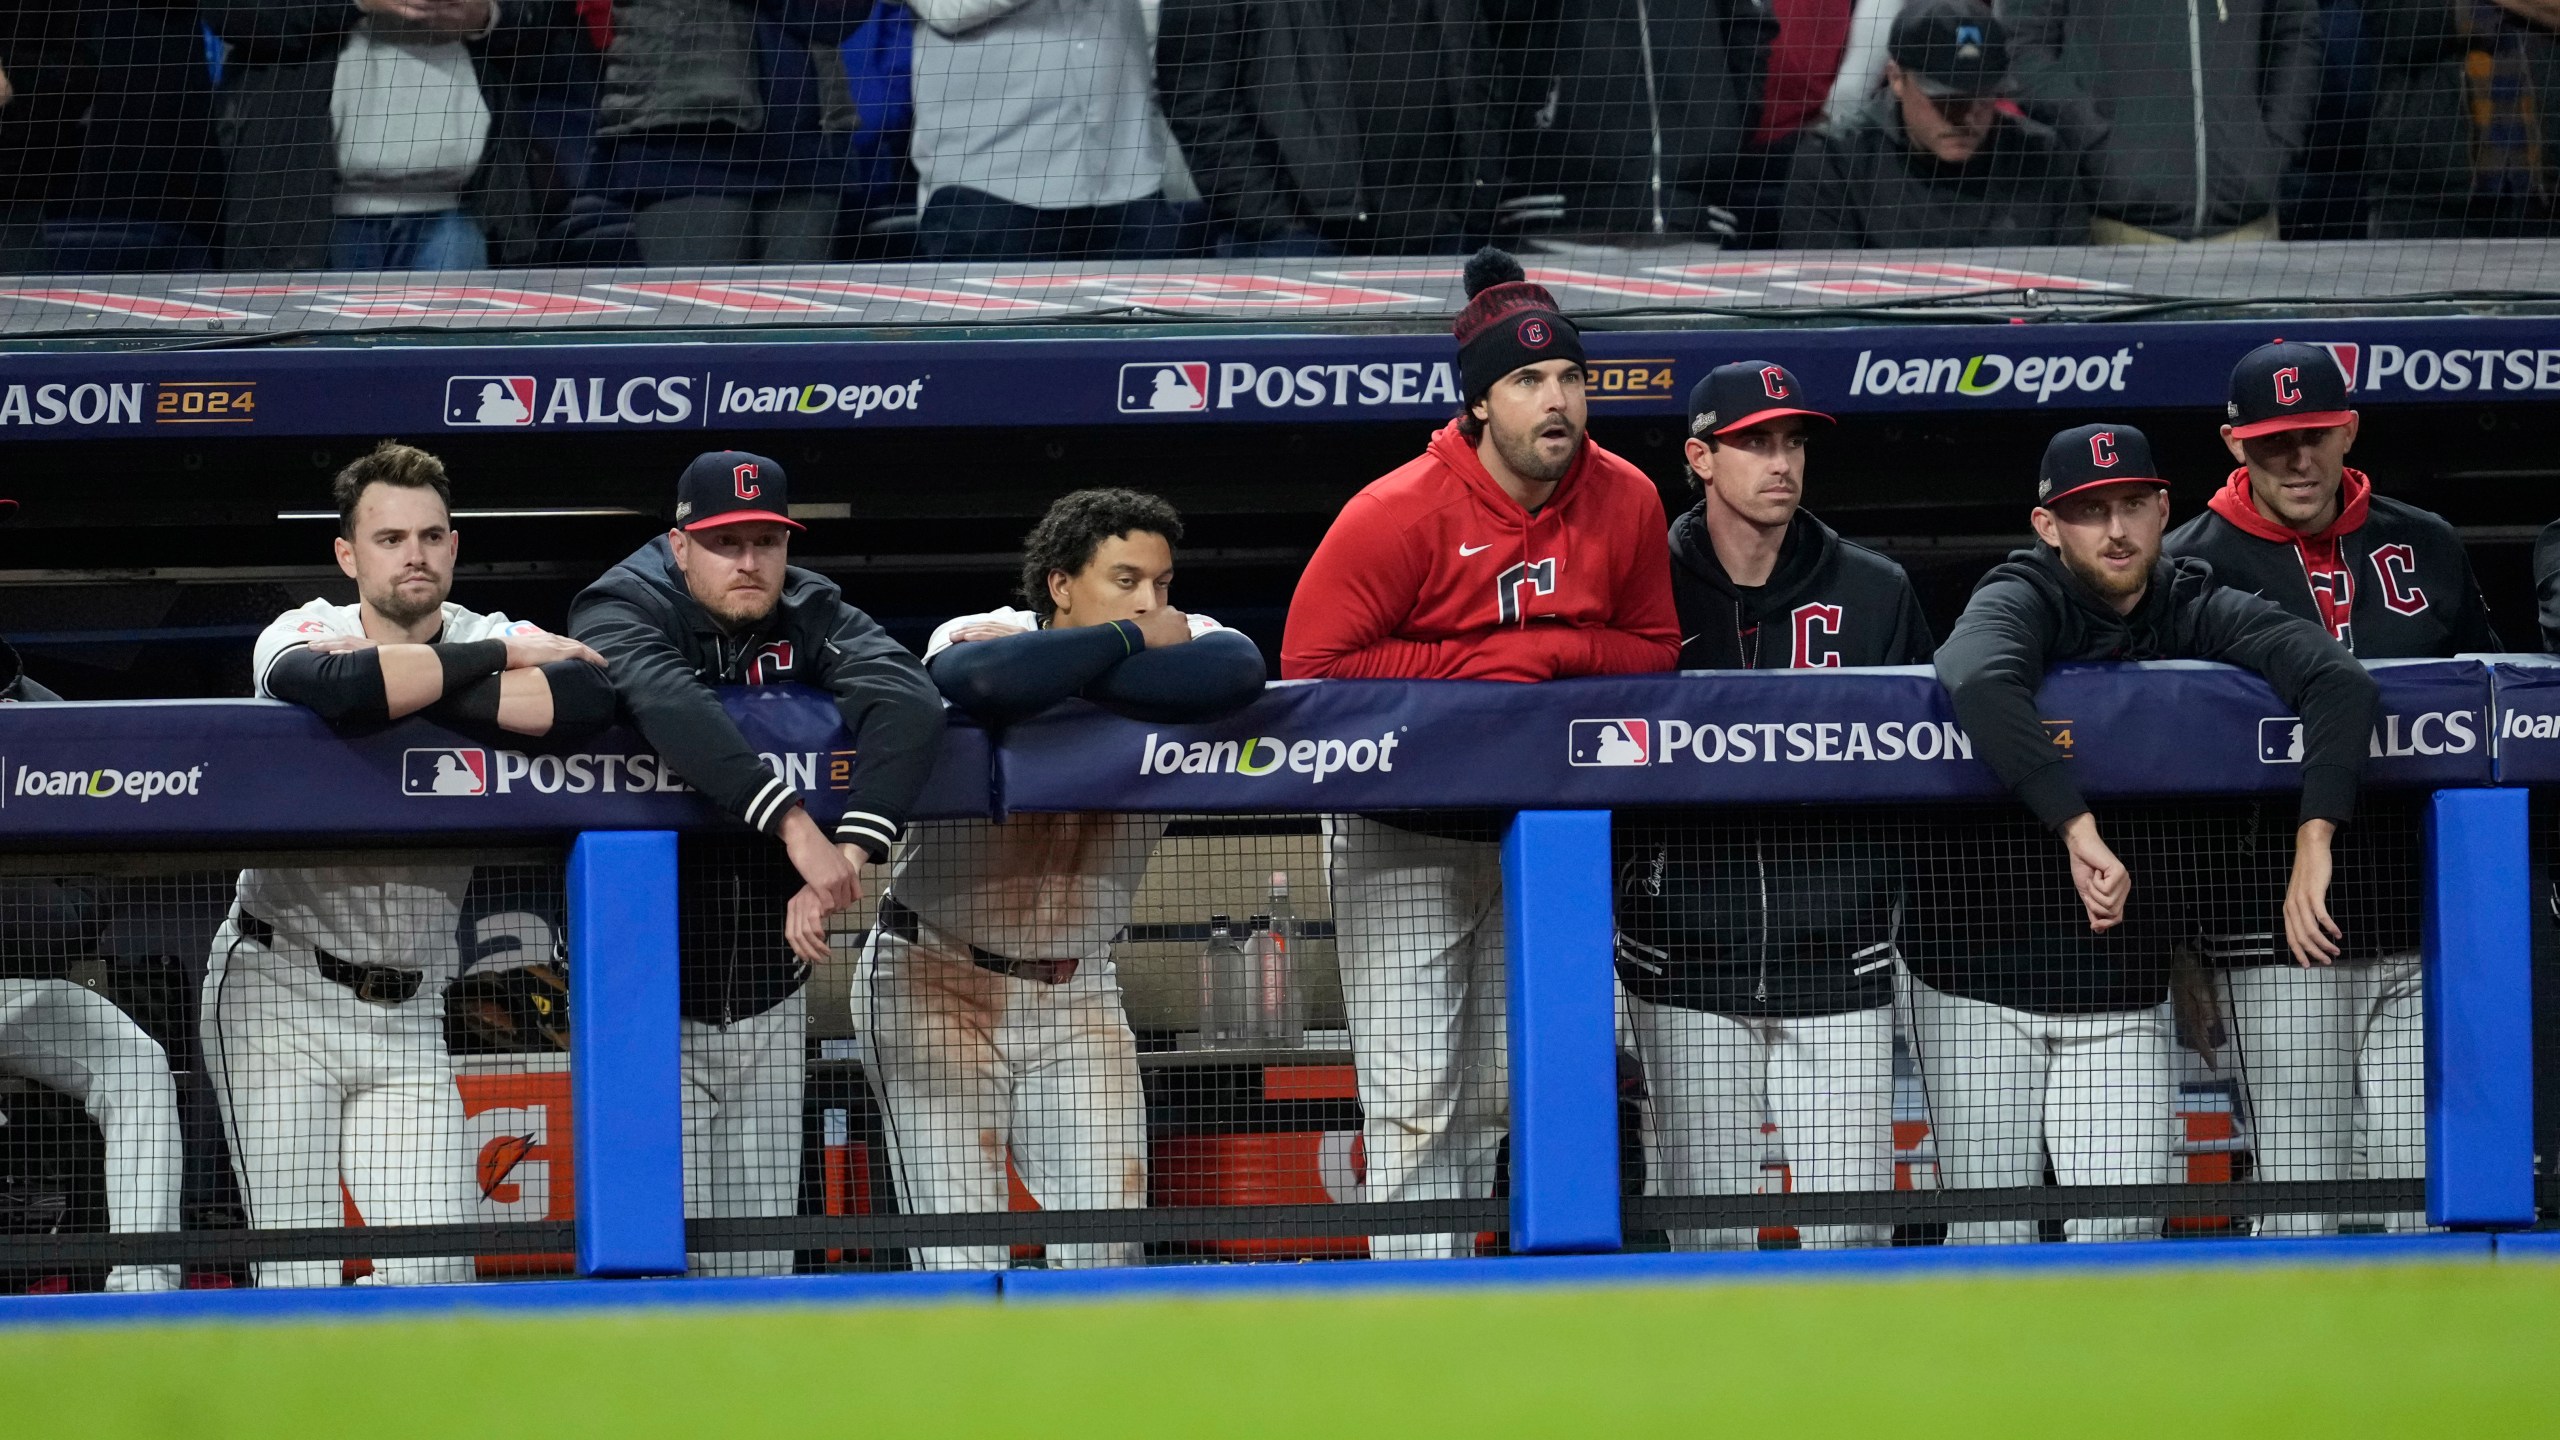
665 653
1998 920
1770 911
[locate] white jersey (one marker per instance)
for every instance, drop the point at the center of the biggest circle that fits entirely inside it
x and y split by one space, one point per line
1037 887
398 915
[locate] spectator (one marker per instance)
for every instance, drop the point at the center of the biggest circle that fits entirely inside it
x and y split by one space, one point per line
1939 159
354 129
716 120
1312 129
1652 114
125 175
2188 114
1825 59
1036 132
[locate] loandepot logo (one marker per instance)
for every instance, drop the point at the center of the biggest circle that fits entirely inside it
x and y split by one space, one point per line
1625 742
139 786
853 401
2042 376
1268 755
2520 726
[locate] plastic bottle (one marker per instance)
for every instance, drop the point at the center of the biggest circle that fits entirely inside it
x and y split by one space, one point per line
1225 990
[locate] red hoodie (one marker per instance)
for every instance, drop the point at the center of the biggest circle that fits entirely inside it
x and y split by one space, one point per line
2332 583
1435 573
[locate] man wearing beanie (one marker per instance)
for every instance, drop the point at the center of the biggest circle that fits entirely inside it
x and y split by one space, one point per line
1513 549
2038 1013
2295 524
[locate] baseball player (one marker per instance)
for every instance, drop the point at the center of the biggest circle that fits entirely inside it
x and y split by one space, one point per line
324 995
991 1018
1757 951
715 601
1514 548
2300 528
2038 1037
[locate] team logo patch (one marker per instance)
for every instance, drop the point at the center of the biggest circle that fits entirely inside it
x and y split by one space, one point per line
1169 387
1536 333
488 400
2280 740
463 770
1610 742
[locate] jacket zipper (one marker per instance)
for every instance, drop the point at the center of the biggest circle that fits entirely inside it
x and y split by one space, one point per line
2195 88
1653 113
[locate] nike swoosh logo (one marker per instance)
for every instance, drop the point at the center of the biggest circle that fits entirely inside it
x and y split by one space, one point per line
1478 550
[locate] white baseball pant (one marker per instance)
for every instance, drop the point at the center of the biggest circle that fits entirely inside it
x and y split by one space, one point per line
1827 1080
970 1065
743 1084
1418 932
2320 1048
75 1040
2008 1088
317 1087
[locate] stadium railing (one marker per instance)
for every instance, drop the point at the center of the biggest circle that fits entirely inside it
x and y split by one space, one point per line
2461 740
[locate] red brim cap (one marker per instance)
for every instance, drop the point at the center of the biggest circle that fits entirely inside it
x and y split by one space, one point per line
2316 420
1763 417
740 517
2153 480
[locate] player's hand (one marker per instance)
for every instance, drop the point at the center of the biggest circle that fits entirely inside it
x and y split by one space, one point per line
1164 626
340 644
2103 882
2308 931
540 647
985 630
821 862
804 925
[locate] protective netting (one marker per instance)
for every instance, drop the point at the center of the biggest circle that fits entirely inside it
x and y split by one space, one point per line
1282 152
202 1058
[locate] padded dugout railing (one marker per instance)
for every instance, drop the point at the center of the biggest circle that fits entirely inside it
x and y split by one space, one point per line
2470 732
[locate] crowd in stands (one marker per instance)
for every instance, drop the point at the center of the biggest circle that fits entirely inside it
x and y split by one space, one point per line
460 134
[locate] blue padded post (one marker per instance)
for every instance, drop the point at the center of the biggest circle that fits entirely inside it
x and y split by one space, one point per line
1564 1033
2479 994
624 1087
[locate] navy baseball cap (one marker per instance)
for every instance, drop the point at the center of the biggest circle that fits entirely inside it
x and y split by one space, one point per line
1743 394
1951 48
2088 456
729 487
2287 386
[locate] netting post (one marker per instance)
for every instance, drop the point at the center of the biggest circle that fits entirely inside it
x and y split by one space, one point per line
626 1099
1564 1032
2479 991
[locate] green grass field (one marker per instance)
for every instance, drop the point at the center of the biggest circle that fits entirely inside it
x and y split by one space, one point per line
2457 1350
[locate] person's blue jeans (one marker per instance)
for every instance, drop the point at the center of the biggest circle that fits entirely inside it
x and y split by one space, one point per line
963 224
439 240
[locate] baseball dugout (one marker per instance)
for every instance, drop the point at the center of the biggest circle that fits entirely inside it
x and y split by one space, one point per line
1369 968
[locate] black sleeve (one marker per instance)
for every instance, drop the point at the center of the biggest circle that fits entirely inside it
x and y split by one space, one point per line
2472 632
1201 75
1912 642
677 714
2546 584
1992 665
1217 674
343 690
895 717
2292 70
582 704
1820 207
1013 678
2338 702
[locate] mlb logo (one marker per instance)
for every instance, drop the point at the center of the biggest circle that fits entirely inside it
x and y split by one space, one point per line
488 400
2280 740
2346 353
460 771
1164 387
1611 742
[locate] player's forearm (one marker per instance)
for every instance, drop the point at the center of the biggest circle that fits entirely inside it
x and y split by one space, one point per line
1003 680
412 679
1620 652
1215 675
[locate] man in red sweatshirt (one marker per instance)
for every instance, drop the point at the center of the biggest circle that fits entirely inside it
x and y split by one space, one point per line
1513 549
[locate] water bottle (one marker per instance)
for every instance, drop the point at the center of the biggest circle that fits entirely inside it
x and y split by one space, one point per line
1226 990
1278 1020
1287 934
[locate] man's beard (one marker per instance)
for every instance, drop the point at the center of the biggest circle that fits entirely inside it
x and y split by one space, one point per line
1520 453
735 609
400 610
2109 585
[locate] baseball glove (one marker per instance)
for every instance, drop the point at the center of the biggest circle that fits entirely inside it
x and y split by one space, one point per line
523 1009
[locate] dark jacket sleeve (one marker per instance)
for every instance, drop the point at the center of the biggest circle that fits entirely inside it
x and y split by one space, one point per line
677 714
2048 87
2293 69
1820 209
1217 674
1992 665
2322 681
1912 642
2472 632
895 717
1013 678
2546 584
1200 73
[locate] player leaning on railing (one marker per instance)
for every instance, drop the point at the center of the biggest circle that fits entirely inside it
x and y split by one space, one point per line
987 1001
2033 1038
715 601
324 998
